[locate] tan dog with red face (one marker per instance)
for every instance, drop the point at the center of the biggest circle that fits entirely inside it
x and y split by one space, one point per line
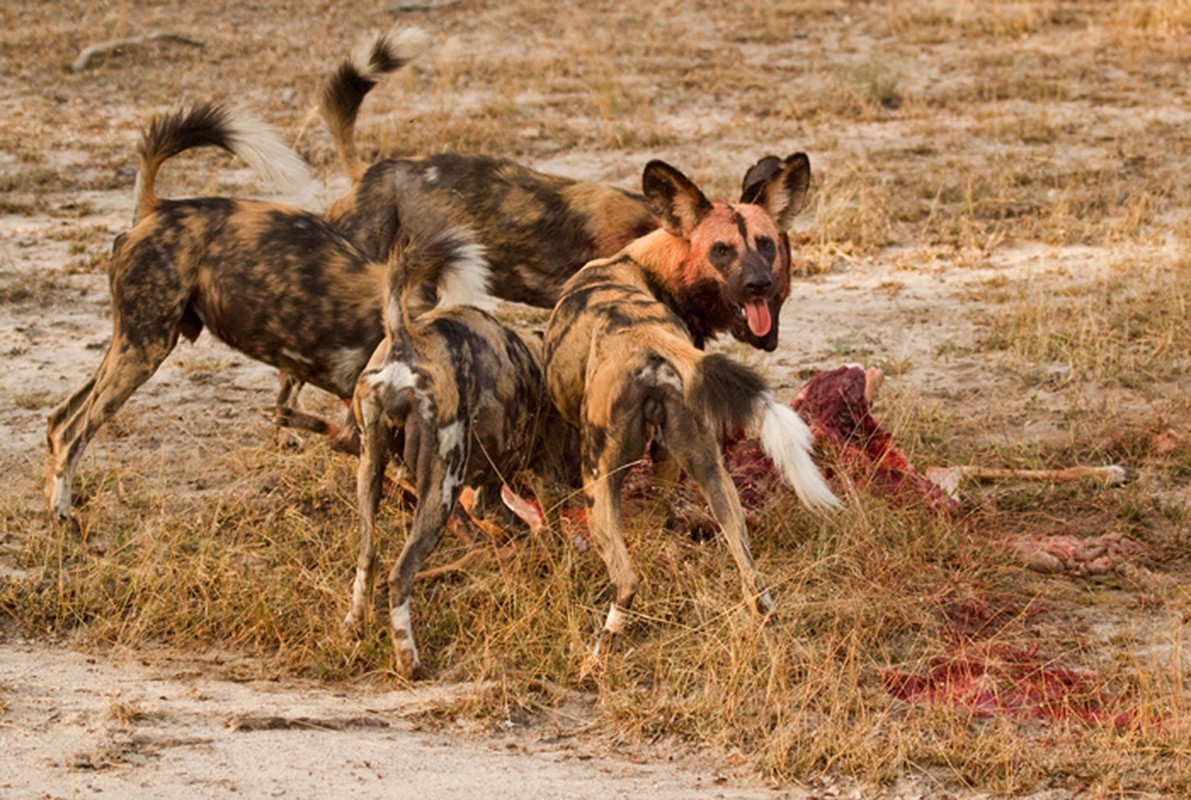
623 362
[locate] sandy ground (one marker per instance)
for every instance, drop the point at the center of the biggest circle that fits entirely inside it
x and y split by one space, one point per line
81 726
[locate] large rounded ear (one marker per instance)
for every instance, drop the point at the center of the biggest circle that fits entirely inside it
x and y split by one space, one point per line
673 199
755 179
780 187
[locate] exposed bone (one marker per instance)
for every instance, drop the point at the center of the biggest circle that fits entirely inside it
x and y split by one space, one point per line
528 511
88 54
1111 475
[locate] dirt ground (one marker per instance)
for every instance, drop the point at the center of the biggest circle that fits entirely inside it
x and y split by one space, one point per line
175 725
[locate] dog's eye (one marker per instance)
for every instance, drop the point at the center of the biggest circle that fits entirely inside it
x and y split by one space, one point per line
766 248
722 253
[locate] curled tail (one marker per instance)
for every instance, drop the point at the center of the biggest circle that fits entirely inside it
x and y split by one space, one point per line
213 125
429 257
430 252
358 75
740 397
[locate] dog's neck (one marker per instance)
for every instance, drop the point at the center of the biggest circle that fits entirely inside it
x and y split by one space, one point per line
664 256
663 259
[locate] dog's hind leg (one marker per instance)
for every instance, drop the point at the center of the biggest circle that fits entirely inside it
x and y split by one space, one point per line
288 388
286 412
614 437
124 368
345 436
375 443
441 466
697 450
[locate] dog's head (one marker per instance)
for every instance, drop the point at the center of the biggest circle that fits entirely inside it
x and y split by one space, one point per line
739 249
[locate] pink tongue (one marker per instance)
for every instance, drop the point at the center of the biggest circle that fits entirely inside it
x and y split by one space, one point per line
757 312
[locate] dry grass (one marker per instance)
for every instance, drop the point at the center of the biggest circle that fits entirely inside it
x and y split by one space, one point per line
1129 326
1033 128
261 562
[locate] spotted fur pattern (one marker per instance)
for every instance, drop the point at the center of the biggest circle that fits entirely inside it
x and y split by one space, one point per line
623 364
278 284
459 397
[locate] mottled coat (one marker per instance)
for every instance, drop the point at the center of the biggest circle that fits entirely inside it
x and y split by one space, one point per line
459 397
278 284
623 363
536 229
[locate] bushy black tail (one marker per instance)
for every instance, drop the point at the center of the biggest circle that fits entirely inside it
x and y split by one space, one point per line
740 397
214 125
358 75
727 390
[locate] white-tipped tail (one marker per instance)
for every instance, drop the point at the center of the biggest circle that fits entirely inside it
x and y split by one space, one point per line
263 149
788 441
391 49
465 278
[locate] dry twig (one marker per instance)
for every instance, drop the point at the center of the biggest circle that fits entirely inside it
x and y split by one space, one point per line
90 52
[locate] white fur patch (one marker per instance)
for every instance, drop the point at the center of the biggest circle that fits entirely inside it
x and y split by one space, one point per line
60 496
450 438
355 615
616 620
406 44
397 374
1114 474
430 175
345 367
393 312
787 440
465 279
400 621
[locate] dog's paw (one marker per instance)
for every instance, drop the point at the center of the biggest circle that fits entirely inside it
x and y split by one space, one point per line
407 665
762 606
595 663
57 493
353 623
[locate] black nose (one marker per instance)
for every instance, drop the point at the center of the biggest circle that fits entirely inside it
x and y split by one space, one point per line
759 284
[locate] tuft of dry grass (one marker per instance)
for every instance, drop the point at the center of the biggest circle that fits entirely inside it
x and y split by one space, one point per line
1129 326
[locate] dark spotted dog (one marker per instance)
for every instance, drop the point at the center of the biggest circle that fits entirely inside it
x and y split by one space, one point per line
276 283
622 362
459 396
536 229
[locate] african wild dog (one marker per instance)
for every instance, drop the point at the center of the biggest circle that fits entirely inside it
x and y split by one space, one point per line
622 363
459 396
276 283
537 229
